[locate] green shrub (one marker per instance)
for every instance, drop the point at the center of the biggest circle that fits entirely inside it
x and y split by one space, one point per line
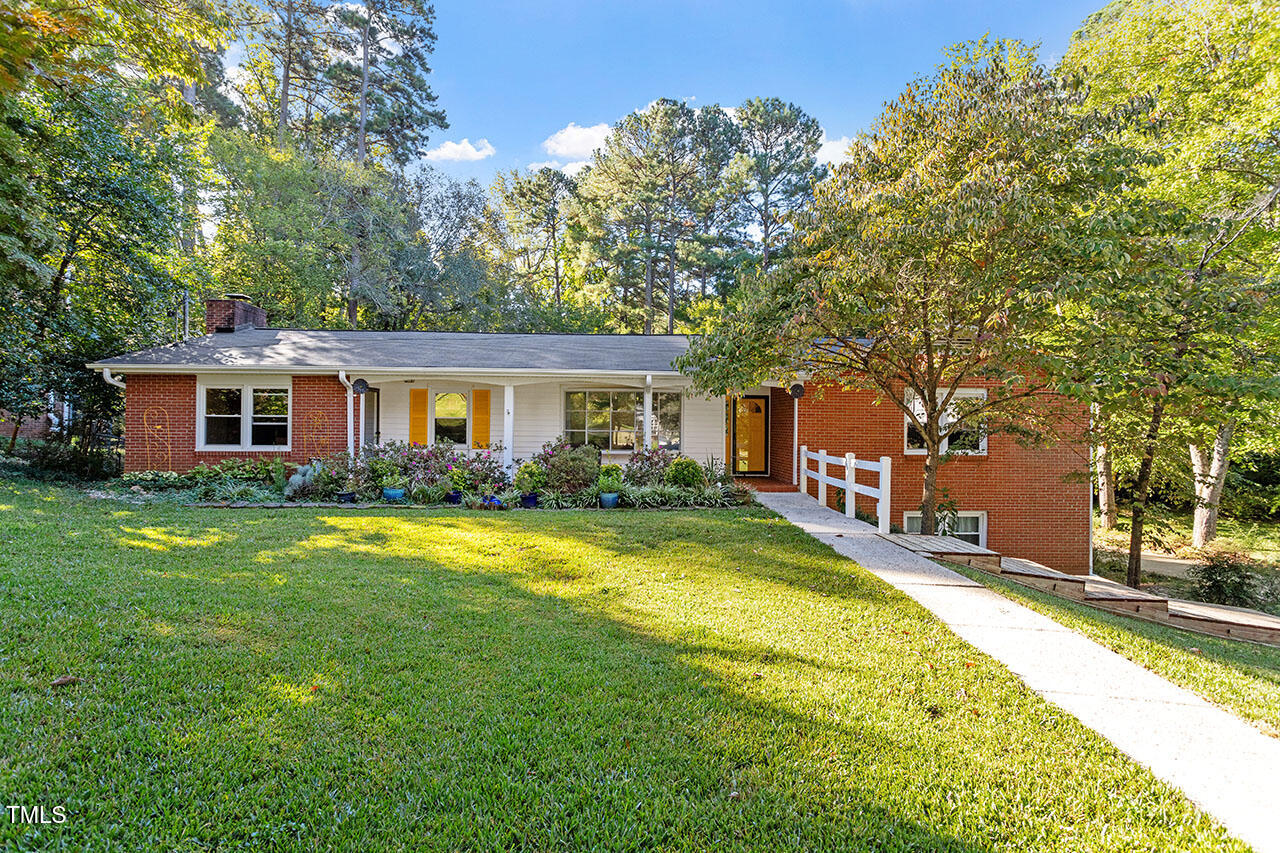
481 472
571 470
531 478
157 481
428 494
685 472
1225 577
57 460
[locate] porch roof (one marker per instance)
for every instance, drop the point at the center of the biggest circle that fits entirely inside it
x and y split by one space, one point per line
315 351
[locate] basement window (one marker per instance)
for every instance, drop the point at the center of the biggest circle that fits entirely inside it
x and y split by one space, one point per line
243 417
968 527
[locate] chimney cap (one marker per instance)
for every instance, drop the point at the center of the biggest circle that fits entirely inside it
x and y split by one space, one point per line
239 296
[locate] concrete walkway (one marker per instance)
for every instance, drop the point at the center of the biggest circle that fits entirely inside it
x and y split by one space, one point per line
1224 765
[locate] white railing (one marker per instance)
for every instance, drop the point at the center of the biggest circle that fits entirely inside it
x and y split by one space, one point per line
849 482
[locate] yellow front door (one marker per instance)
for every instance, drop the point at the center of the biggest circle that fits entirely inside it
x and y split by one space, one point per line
751 435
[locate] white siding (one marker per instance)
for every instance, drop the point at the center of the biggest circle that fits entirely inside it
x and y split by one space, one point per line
702 433
539 414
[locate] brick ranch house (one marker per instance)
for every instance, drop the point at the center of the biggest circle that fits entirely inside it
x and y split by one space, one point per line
245 390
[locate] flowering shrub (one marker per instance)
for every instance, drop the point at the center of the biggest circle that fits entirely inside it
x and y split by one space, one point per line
469 473
647 467
571 470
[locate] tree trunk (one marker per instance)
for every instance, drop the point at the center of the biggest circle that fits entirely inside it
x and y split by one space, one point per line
1142 488
1106 488
1210 475
286 70
13 437
648 280
356 254
671 294
364 92
929 500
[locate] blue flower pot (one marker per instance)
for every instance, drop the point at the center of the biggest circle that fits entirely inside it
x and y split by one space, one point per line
389 494
454 497
492 502
346 497
609 500
529 501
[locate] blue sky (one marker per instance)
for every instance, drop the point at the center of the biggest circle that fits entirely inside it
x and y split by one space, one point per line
514 75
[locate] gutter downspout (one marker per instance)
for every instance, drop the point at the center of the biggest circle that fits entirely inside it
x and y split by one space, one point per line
351 434
111 380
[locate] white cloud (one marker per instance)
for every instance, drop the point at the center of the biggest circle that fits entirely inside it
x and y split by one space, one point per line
833 151
462 151
571 169
575 143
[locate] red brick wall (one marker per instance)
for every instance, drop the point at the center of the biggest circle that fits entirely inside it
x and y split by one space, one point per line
160 423
1035 508
781 444
30 427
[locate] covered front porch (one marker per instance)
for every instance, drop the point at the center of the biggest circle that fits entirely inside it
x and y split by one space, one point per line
619 413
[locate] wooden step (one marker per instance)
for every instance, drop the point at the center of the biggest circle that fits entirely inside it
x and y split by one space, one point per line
1043 578
1221 621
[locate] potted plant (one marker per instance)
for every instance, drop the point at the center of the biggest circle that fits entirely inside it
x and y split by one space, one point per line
460 481
393 490
529 480
610 484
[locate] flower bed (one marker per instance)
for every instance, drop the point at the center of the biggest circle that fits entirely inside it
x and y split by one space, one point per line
559 476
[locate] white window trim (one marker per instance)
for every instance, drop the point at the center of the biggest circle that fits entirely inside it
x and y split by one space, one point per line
566 390
981 515
961 394
431 413
246 390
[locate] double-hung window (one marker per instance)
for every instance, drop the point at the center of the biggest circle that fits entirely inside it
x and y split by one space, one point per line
614 420
243 417
969 439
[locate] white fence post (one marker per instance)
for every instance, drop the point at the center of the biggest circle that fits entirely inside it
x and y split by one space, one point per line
882 506
804 469
850 484
822 477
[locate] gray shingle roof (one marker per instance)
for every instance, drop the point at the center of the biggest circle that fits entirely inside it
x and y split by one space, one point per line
252 349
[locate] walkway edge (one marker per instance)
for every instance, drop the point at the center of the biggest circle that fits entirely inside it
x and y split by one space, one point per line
1224 765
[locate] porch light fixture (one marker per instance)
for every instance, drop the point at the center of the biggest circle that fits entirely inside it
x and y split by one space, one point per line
360 386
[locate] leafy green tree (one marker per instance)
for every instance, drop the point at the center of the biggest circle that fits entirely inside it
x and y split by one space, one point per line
1211 67
779 160
931 261
390 110
530 228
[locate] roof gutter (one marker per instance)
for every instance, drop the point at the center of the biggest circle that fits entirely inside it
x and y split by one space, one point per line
351 394
111 380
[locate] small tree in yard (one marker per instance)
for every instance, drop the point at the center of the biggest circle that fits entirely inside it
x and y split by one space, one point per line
931 261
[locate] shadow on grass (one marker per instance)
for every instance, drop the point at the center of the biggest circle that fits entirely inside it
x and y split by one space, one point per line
364 681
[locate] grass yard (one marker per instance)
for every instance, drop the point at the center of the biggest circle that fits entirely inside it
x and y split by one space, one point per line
367 680
1242 677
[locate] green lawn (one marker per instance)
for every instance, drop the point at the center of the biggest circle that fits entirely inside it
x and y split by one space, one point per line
367 680
1242 677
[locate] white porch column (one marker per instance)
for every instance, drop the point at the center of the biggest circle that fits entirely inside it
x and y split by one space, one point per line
508 423
648 411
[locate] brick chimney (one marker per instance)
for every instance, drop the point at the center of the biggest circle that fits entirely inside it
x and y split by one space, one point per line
233 313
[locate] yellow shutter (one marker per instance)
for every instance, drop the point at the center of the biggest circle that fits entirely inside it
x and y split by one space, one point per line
418 400
480 417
